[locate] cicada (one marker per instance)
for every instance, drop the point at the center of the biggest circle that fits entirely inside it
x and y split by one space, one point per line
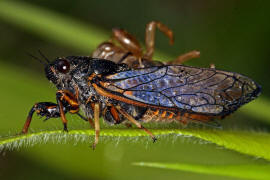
149 91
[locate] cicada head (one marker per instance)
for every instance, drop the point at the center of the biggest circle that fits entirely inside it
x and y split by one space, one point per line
63 69
57 70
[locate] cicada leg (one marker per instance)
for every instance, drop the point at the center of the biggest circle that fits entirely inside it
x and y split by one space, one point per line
110 51
133 121
127 41
150 32
91 122
185 57
62 115
97 126
66 102
87 119
212 66
47 109
64 96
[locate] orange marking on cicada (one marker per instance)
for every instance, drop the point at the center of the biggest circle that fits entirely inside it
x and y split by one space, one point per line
74 111
156 112
70 99
88 100
128 93
115 114
114 88
90 78
164 114
171 115
51 107
77 92
53 70
199 117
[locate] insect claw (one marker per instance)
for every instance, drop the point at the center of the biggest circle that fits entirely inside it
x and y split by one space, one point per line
65 128
154 139
21 133
94 146
128 125
46 119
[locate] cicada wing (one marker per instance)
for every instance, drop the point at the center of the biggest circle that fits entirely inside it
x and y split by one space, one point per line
198 90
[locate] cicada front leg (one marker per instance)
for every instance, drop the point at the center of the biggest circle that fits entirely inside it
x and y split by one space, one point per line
66 102
47 109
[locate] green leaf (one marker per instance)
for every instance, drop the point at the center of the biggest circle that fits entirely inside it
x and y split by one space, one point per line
258 109
251 143
250 171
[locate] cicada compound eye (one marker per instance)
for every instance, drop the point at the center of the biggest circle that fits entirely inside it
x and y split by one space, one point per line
63 66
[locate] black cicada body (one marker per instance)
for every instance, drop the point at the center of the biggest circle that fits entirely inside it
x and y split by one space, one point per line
158 93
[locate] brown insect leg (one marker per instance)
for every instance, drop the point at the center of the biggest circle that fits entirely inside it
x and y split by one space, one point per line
91 122
128 125
76 92
45 109
67 96
62 114
64 95
110 51
87 119
97 127
28 120
184 121
185 57
127 41
115 114
212 66
132 120
150 37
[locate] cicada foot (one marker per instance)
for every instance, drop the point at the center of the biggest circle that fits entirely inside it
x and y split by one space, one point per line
47 109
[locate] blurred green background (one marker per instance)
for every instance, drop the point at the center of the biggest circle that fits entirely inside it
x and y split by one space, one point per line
234 35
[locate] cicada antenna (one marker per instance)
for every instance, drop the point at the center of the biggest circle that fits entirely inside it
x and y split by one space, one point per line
46 59
36 58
